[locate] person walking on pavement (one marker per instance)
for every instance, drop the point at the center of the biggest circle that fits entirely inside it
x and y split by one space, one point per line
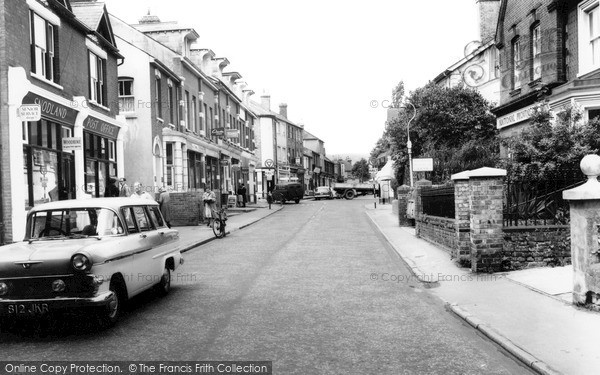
209 198
242 191
124 190
164 202
269 199
138 192
112 190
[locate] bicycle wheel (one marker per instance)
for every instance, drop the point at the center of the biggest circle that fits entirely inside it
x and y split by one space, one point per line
218 228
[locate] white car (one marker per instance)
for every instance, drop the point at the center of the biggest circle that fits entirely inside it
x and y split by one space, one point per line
89 253
323 192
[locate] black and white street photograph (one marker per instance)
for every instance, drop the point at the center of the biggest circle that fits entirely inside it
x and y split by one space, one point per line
258 187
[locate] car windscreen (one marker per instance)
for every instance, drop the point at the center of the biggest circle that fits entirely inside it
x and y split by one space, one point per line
73 223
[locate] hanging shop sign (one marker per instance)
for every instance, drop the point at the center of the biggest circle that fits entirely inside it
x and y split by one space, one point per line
235 167
30 112
219 132
232 133
72 144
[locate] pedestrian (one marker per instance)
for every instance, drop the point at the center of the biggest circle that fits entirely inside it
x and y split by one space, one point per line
164 202
124 190
138 192
209 198
269 199
111 189
242 191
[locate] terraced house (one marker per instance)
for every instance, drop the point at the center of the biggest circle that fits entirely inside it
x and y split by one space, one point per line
189 126
61 136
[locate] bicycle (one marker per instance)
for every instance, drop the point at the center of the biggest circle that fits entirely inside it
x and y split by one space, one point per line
219 223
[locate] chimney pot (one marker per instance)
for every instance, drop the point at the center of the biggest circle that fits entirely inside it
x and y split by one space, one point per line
265 101
283 110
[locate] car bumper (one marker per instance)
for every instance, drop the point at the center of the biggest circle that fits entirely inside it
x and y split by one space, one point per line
37 306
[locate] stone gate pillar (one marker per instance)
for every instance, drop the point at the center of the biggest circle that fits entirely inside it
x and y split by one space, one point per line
584 202
462 216
404 192
485 209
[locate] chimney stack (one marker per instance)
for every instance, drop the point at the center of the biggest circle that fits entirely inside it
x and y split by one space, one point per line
283 110
488 10
265 101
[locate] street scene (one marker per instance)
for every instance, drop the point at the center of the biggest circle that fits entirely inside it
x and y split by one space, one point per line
260 187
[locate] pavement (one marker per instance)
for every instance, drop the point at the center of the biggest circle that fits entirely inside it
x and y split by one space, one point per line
237 218
529 312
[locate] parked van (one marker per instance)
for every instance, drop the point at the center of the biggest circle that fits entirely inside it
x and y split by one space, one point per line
291 191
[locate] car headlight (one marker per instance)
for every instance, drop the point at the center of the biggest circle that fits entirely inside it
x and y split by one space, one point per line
3 289
81 262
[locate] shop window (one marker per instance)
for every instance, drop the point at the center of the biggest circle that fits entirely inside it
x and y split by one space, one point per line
126 98
44 39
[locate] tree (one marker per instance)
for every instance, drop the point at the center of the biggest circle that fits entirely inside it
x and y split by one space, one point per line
547 148
360 170
454 126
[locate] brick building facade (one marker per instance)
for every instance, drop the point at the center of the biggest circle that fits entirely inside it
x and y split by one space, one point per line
540 63
62 57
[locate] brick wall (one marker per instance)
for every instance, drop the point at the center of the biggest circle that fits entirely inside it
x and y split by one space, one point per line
527 247
462 251
185 208
439 230
519 18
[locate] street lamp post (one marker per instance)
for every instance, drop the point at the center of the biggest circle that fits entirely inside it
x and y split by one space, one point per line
409 143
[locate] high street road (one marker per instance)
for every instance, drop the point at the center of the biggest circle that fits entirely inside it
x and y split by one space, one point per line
314 288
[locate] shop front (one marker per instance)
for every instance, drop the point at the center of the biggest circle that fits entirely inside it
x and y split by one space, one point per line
100 155
48 162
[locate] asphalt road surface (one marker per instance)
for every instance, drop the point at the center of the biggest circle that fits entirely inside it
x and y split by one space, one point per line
314 288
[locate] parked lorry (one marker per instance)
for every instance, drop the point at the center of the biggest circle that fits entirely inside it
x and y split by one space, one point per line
351 190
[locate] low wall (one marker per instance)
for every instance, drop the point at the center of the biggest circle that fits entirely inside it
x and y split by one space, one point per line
536 246
439 230
185 208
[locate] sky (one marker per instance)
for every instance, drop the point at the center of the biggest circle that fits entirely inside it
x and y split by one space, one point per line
333 62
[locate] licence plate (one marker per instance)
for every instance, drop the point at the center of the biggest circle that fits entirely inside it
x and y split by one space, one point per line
27 308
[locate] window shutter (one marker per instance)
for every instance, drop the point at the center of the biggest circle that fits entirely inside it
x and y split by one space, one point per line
55 62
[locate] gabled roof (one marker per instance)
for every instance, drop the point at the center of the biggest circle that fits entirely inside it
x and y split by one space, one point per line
309 136
95 17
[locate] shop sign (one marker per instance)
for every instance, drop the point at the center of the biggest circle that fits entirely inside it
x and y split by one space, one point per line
51 109
72 144
232 133
515 117
245 169
269 163
224 162
235 167
218 132
101 127
30 112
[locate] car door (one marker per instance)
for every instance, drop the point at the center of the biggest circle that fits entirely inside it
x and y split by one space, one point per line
167 238
139 227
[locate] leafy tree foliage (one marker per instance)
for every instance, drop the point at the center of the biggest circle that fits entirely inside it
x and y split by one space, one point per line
547 148
454 126
360 170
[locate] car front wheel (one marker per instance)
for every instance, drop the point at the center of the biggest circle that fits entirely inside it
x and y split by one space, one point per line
110 313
